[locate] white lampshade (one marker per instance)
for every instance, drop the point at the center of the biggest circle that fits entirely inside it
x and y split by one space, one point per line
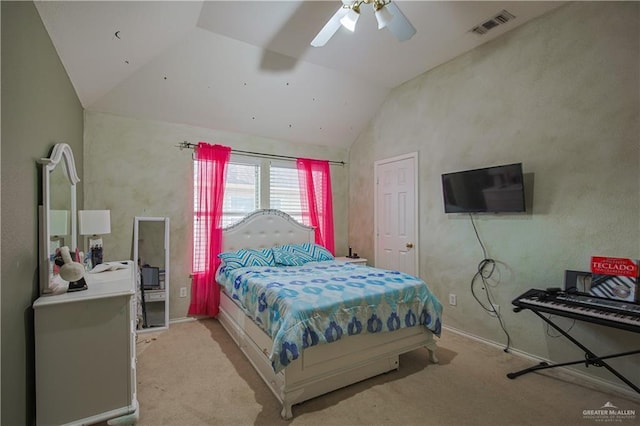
58 222
384 17
94 222
350 19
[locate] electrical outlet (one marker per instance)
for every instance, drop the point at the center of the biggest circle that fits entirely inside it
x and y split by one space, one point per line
452 299
496 310
183 292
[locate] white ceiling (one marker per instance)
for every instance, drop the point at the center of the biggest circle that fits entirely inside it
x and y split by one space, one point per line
247 66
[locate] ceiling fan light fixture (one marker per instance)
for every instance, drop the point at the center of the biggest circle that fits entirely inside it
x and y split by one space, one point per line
383 16
387 14
351 18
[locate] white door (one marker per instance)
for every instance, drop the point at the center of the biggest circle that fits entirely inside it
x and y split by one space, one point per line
396 214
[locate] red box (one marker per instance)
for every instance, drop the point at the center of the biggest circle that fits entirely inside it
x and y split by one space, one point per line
614 266
614 278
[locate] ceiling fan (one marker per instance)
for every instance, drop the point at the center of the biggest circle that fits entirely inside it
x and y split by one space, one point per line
387 14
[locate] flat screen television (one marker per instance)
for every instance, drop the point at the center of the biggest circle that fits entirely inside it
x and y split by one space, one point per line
497 189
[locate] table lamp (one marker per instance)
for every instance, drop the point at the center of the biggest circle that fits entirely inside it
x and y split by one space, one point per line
94 223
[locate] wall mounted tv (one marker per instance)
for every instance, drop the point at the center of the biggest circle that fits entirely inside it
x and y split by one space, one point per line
498 189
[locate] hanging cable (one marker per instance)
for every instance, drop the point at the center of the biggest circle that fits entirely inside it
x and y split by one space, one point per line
550 333
485 270
188 145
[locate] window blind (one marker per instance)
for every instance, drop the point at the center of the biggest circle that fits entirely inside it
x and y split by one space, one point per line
284 190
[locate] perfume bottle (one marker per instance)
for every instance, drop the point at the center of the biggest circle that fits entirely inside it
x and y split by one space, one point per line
87 261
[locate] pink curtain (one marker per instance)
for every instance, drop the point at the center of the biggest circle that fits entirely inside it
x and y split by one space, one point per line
212 163
317 205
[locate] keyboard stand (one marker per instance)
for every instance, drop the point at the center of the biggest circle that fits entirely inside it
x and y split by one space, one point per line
589 359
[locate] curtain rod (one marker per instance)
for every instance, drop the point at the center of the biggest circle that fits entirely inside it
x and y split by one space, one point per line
189 145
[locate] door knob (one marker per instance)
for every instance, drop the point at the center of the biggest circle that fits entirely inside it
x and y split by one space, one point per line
409 245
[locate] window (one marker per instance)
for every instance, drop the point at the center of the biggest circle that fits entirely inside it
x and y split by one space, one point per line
284 190
240 198
243 187
241 193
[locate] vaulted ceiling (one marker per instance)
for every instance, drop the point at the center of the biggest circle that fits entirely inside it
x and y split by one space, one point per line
247 66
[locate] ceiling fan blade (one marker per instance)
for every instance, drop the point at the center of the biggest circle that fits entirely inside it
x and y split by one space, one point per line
329 29
400 25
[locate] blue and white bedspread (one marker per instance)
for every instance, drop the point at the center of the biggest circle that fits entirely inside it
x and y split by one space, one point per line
321 302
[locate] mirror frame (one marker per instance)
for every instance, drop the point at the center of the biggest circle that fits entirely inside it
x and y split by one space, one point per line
167 270
60 154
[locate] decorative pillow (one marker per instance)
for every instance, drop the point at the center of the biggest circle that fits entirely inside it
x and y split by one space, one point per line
299 254
247 257
287 258
315 251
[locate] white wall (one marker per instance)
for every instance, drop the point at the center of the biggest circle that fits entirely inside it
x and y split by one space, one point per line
133 168
560 94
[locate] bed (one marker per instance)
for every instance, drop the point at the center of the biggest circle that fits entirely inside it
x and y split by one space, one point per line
322 361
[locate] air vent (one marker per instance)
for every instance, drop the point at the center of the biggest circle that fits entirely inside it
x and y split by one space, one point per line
501 18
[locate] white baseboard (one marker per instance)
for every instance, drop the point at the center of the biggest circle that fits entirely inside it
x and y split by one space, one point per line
183 319
587 380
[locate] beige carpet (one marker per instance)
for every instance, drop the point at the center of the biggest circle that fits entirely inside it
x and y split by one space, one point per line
193 374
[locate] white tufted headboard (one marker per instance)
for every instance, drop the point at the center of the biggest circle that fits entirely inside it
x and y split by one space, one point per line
265 228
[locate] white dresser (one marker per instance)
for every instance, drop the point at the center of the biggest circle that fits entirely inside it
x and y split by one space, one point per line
85 352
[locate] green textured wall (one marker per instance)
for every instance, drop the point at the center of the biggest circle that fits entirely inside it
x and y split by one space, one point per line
39 108
155 179
560 94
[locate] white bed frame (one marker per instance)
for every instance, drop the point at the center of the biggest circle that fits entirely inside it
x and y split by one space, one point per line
319 369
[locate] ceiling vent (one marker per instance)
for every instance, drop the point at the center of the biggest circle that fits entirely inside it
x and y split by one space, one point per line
501 18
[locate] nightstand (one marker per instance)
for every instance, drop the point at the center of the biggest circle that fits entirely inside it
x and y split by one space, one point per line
359 260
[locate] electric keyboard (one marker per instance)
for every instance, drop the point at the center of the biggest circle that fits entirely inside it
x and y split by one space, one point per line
607 312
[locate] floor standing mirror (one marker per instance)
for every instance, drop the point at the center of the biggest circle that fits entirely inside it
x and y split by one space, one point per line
151 250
